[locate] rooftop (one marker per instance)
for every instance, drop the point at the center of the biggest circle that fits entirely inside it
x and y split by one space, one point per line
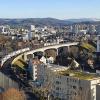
73 73
79 74
57 68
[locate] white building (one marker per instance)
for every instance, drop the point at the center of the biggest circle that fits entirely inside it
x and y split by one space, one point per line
50 60
5 29
30 35
32 27
67 84
82 32
25 37
43 59
45 28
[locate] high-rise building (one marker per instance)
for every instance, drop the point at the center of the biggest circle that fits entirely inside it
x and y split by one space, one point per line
30 35
92 29
75 29
98 29
98 43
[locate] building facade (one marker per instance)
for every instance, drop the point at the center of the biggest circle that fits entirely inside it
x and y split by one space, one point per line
98 43
37 70
71 85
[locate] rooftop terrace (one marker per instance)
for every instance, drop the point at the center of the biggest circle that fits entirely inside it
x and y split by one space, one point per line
79 74
66 71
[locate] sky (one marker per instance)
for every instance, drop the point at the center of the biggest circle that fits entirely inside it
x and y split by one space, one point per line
61 9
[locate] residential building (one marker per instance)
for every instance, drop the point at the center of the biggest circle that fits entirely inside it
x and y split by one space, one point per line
75 29
43 59
32 27
98 92
50 60
98 29
69 84
37 70
92 29
5 29
98 43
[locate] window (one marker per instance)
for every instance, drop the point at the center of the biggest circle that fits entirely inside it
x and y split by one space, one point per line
67 80
67 97
75 93
74 87
57 82
57 94
71 86
59 77
99 37
67 91
80 88
70 98
57 88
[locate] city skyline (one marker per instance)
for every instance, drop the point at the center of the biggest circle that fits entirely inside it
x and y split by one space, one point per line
61 9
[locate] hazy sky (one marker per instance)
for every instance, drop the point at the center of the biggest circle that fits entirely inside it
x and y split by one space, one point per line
63 9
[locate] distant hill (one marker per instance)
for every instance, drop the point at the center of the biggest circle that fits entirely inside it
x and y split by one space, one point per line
35 21
83 20
43 21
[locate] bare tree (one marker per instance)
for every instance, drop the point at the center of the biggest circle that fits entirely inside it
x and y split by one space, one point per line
13 94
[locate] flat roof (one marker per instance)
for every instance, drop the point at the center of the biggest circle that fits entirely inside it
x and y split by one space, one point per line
79 74
57 68
61 70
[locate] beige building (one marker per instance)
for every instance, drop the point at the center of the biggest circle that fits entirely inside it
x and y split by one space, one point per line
67 84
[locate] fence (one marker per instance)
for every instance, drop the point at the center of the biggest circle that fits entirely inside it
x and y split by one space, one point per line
6 82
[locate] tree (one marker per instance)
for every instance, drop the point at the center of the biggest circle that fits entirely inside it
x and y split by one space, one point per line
51 53
13 94
1 96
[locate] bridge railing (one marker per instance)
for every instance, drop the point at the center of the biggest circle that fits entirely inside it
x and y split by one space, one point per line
4 59
49 44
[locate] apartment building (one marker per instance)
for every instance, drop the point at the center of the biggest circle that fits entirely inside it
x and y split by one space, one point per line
69 84
98 43
37 69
